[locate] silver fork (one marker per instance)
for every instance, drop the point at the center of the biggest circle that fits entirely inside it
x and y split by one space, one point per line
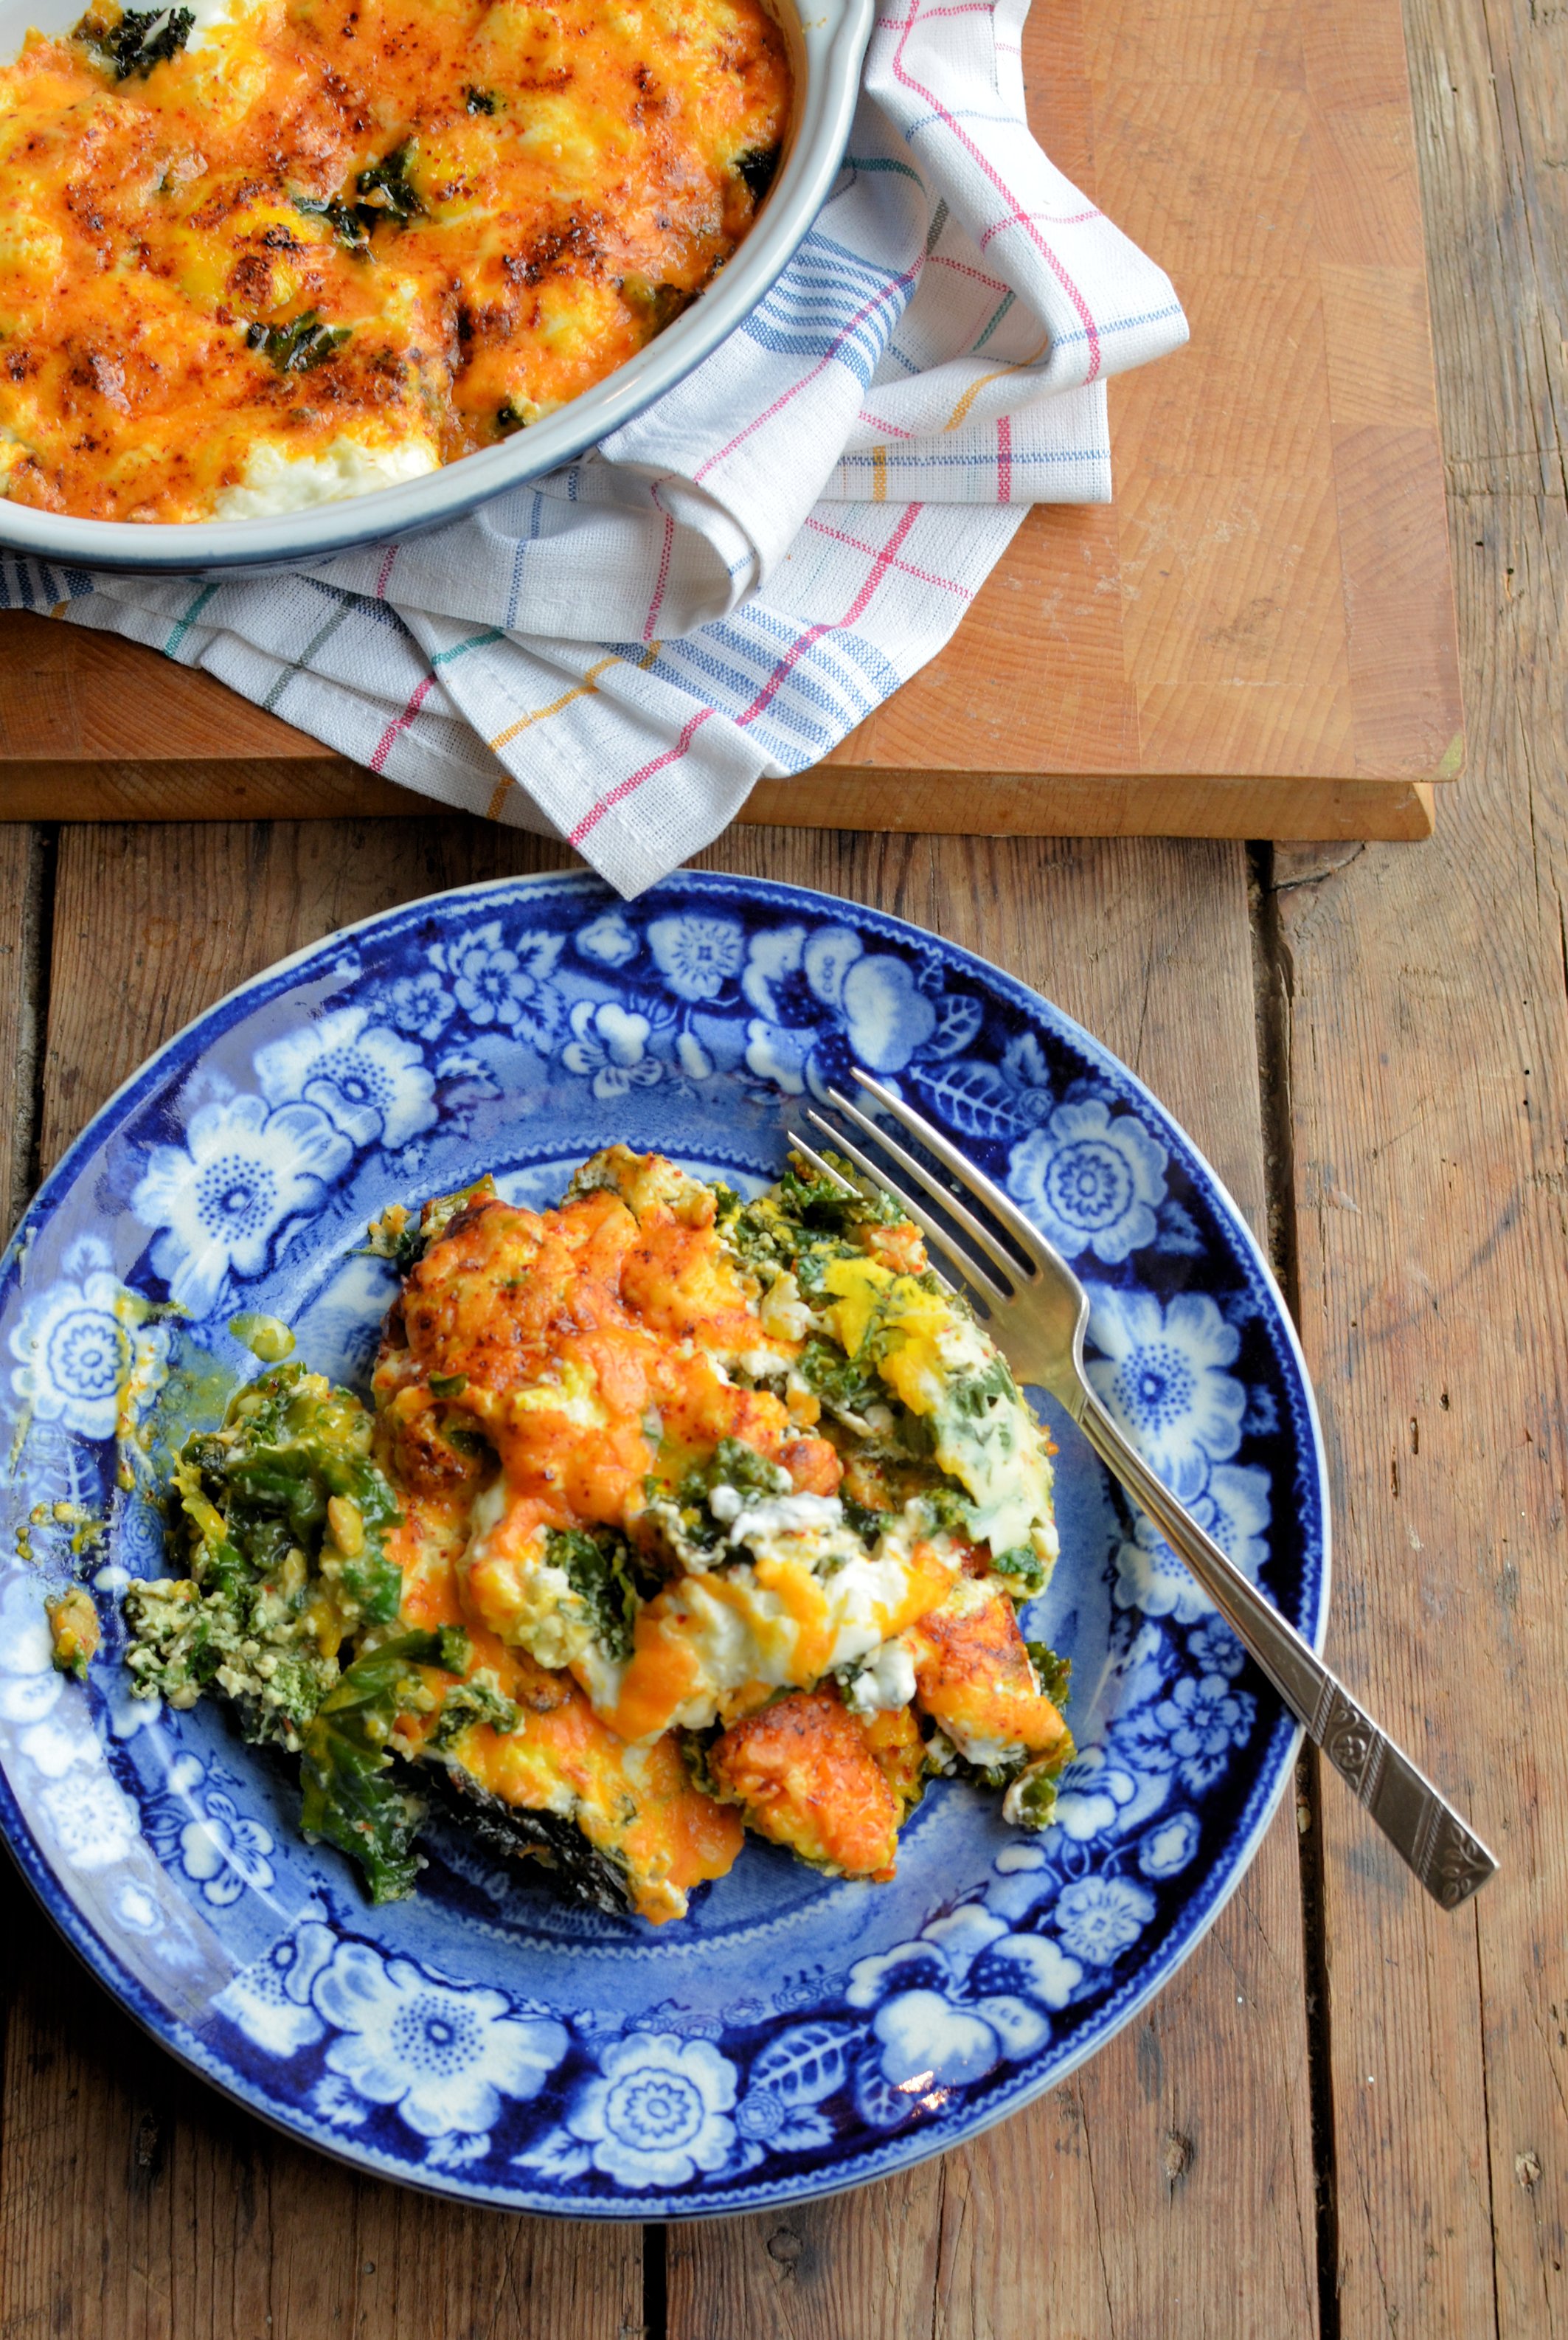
1039 1311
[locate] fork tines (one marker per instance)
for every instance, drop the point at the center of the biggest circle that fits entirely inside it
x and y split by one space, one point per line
1019 1274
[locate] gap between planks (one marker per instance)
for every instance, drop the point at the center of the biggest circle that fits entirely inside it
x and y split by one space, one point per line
1149 2134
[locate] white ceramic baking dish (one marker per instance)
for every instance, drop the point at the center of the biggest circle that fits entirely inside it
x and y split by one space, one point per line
827 40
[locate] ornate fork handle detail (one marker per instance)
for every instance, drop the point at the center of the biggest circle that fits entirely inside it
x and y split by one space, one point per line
1449 1860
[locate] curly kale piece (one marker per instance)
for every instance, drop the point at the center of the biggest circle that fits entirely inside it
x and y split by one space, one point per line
137 39
477 1700
735 1464
841 1381
403 1240
276 1517
803 1224
343 219
351 1797
592 1876
600 1571
758 166
301 345
1053 1674
296 1459
1024 1570
825 1207
385 192
385 197
655 305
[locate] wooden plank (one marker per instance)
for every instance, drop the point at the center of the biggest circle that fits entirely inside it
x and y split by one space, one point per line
24 880
1097 2211
1262 618
975 804
136 2203
1427 1009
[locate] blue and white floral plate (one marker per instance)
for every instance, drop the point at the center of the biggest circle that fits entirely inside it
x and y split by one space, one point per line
798 2034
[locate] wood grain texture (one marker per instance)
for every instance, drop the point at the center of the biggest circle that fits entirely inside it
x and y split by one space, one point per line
146 2205
974 804
1263 615
25 882
1426 1000
1195 2123
135 2202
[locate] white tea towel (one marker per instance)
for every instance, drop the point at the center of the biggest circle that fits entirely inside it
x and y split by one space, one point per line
731 583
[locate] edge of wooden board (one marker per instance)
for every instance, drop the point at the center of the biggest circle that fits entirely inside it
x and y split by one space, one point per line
835 797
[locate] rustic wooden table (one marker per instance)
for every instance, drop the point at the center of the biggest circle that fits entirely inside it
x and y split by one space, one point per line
1348 2115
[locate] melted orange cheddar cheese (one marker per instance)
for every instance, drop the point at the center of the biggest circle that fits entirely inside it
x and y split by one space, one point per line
807 1776
339 242
591 1345
637 1807
973 1677
619 1479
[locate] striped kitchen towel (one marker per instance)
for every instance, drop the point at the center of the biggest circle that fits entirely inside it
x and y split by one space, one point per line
731 583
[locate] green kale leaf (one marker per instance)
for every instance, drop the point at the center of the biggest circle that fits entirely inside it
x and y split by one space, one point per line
1023 1568
477 1700
655 305
758 166
131 44
350 1800
735 1464
343 219
385 192
599 1570
304 342
1054 1674
839 1380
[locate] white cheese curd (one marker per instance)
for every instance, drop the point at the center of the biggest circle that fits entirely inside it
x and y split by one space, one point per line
776 1515
886 1680
782 1312
985 1753
809 1529
277 483
739 1631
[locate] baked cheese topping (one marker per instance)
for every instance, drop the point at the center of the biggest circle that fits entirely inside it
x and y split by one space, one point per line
316 247
675 1513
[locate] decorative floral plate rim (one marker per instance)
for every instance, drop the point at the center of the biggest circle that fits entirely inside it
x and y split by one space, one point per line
709 987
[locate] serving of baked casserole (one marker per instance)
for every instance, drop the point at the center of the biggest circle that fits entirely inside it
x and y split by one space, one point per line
309 248
674 1514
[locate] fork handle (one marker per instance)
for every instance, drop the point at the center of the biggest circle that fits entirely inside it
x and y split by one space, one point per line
1423 1827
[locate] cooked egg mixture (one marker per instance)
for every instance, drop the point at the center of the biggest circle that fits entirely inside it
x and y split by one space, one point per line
676 1515
314 247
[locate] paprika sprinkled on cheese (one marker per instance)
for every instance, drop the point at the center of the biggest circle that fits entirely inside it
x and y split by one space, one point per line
329 244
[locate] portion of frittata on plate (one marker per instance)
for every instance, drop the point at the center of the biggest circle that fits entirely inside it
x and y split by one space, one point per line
676 1515
259 254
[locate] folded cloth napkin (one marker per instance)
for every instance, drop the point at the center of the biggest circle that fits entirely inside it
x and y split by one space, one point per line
727 586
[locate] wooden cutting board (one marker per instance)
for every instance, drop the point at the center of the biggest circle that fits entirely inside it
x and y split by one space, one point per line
1256 640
